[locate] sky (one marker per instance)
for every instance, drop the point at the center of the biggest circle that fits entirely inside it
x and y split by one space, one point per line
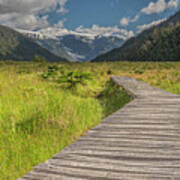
126 17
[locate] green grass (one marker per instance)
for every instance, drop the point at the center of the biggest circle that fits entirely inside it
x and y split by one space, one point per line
39 117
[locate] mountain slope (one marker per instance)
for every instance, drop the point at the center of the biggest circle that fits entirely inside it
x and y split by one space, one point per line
14 46
55 47
84 49
75 46
159 43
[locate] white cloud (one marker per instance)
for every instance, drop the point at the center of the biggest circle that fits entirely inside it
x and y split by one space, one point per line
159 6
135 18
25 13
173 4
153 7
27 21
60 24
147 26
89 33
96 30
124 21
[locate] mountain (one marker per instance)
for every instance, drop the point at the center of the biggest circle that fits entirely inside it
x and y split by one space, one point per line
14 46
74 46
84 48
50 43
55 47
159 43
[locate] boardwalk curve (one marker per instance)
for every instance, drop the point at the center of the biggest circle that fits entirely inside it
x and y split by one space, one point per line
139 142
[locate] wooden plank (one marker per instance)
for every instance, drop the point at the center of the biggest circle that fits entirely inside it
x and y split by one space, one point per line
139 142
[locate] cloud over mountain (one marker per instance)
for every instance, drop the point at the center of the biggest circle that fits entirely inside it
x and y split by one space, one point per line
126 20
147 26
159 6
153 8
106 31
25 14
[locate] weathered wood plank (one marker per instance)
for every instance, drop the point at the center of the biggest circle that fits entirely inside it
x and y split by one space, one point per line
139 142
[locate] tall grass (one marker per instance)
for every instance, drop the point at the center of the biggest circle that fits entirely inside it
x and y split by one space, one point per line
38 117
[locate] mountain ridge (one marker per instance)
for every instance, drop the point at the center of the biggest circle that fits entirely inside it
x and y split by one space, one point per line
148 45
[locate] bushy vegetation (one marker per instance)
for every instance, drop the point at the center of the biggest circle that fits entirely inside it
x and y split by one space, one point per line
42 111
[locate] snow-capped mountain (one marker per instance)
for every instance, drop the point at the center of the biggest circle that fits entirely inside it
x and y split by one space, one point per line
74 45
84 48
49 42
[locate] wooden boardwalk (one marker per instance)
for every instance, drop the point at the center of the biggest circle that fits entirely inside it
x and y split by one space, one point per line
139 142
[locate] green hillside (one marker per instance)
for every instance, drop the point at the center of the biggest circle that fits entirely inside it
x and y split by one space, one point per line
14 46
160 43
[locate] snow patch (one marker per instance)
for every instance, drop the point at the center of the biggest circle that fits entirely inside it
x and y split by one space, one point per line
75 56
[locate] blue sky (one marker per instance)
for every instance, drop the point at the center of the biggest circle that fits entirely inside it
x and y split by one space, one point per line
101 12
129 15
110 12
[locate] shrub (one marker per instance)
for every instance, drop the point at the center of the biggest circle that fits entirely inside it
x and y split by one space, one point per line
74 77
61 75
39 59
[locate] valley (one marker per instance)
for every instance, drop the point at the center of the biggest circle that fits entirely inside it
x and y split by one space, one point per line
75 46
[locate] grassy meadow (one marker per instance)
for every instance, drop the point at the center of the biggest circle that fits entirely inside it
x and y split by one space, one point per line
44 107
